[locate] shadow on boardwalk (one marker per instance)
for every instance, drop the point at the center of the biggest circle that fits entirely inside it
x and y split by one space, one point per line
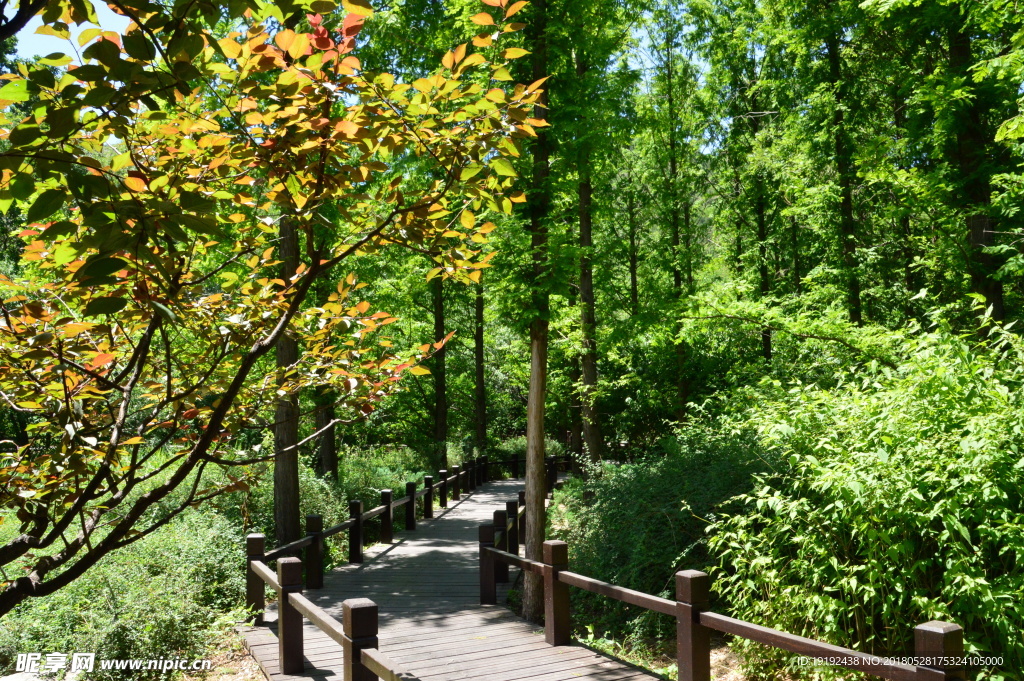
426 585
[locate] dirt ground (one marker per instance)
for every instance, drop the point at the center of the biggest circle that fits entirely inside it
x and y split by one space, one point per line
232 662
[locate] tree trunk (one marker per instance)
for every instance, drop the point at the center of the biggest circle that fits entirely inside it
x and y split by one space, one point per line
975 194
844 172
588 322
327 461
794 237
762 258
536 489
679 349
634 284
438 370
480 387
286 413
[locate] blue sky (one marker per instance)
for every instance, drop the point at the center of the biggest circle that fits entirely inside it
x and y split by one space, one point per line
30 44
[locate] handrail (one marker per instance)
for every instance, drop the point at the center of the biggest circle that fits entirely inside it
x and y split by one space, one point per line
289 548
463 478
381 665
356 633
266 574
872 664
340 527
939 645
619 593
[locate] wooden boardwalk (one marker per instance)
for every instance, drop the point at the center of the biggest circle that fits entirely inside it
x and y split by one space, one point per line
426 585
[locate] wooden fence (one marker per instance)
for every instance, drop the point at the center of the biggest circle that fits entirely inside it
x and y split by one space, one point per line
357 633
939 647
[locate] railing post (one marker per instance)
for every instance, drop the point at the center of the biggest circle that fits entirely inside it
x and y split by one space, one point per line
501 543
289 620
467 471
442 492
410 506
488 590
359 629
941 644
515 465
428 498
522 518
693 641
512 513
556 594
456 487
255 545
387 532
485 469
481 470
315 553
355 533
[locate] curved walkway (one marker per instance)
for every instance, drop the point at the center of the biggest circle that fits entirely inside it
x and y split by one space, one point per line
426 585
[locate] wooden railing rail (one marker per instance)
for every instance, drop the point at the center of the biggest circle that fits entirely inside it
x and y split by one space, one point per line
938 645
451 485
356 633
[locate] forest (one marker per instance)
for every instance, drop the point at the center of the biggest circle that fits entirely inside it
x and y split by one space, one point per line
755 265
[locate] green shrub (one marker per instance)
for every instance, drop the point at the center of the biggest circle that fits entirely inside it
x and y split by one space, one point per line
901 503
636 524
169 595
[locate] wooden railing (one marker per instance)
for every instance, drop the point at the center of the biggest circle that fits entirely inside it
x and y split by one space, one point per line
463 479
358 631
939 648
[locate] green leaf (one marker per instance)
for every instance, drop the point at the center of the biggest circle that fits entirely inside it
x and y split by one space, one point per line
102 267
164 311
503 166
15 91
47 203
107 305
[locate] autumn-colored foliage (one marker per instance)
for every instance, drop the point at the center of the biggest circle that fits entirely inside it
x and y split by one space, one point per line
156 175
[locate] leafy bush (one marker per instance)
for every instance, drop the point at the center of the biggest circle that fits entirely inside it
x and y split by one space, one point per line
636 524
901 503
169 595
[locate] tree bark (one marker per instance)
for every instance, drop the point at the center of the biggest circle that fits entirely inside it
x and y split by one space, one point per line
286 413
588 317
679 349
438 371
844 172
972 148
634 284
480 387
536 522
327 446
794 237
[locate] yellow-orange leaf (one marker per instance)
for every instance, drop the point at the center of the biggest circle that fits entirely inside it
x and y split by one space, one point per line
515 8
299 47
136 184
284 39
482 19
102 359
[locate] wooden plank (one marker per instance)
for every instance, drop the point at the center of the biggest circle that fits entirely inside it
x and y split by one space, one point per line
807 647
427 587
662 605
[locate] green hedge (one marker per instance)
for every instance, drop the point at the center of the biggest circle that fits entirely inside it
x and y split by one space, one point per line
901 503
